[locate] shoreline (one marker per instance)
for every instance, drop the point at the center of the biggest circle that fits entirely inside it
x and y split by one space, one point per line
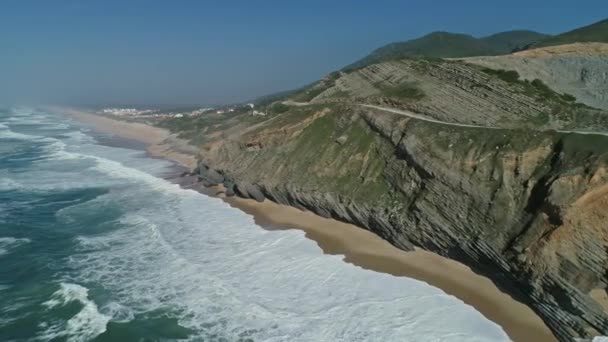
358 246
160 143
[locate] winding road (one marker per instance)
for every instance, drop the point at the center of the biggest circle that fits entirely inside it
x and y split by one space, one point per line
423 118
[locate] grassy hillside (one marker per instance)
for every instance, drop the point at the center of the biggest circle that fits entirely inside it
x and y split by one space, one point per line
597 32
450 45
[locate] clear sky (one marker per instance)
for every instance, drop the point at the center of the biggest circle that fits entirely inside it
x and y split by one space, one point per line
205 52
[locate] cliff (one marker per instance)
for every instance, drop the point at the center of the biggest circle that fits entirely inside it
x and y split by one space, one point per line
526 208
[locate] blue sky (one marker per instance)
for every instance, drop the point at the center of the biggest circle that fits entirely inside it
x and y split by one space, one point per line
204 52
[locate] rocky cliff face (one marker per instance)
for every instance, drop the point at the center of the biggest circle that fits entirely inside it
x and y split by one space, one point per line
526 208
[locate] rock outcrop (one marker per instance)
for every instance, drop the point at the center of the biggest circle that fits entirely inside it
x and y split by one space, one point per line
208 176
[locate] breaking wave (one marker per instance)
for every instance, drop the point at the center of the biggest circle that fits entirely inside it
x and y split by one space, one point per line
9 243
84 325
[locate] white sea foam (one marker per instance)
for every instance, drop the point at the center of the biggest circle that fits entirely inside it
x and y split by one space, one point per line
7 184
117 170
223 276
85 325
8 134
78 136
118 312
54 127
9 243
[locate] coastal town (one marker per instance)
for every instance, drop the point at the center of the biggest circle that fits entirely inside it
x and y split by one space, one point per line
161 114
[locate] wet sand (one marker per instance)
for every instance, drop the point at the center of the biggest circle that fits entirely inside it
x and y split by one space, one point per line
359 247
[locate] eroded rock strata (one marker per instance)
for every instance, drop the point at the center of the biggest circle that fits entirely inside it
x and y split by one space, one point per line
526 208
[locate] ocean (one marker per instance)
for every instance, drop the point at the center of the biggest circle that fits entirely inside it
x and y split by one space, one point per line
96 245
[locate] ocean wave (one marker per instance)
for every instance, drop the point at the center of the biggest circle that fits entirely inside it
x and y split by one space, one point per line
7 133
55 126
21 111
221 275
78 136
118 170
8 243
7 184
84 325
118 312
10 135
26 115
57 150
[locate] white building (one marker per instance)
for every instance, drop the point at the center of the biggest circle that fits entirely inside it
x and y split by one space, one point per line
125 111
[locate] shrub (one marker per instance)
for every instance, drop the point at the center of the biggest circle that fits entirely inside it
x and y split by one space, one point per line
510 76
568 98
279 108
406 90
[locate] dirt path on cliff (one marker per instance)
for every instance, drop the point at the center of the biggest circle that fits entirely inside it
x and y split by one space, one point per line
423 118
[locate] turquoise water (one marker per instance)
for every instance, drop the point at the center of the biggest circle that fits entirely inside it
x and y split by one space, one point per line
96 245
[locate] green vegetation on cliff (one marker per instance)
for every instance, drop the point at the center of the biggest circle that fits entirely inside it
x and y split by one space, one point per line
404 91
309 144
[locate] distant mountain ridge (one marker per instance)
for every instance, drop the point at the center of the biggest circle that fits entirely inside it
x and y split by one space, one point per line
452 45
458 45
596 32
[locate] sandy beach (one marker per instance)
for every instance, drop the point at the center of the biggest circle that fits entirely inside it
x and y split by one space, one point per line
160 142
359 247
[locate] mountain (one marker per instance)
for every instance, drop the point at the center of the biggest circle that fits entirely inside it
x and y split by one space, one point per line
436 44
597 32
509 41
451 45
